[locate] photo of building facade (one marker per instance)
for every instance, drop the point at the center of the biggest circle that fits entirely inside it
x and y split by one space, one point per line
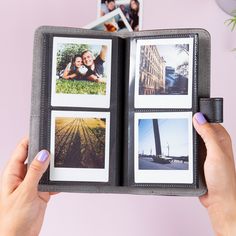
176 82
164 69
151 71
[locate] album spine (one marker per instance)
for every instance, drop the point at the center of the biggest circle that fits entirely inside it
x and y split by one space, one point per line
120 101
38 103
125 180
35 98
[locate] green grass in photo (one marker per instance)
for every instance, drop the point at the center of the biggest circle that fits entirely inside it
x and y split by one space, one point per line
80 87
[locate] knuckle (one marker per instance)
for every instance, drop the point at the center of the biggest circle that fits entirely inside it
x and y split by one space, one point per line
23 143
207 132
224 137
35 167
218 134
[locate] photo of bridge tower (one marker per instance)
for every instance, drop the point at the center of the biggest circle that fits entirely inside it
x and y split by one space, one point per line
80 142
163 144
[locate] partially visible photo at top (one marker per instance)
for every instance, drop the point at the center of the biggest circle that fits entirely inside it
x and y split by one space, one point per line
114 21
132 10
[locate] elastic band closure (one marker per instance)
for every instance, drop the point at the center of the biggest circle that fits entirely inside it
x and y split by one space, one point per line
212 109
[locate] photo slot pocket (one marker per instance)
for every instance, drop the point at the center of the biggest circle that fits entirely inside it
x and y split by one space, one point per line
163 148
81 72
79 146
164 72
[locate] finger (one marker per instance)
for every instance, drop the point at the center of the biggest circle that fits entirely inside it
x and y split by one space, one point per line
23 148
203 127
45 196
36 169
53 193
19 156
214 136
204 200
10 182
15 170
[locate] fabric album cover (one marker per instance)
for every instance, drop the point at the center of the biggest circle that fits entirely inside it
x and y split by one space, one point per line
115 109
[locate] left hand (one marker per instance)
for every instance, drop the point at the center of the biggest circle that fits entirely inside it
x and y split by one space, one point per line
22 207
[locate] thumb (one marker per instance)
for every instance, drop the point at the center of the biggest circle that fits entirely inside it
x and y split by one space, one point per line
215 136
36 169
204 129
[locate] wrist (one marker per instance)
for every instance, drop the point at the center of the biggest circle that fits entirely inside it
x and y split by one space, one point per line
230 225
223 219
7 232
8 227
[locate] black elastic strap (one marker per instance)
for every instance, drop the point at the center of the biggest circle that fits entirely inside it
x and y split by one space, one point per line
212 109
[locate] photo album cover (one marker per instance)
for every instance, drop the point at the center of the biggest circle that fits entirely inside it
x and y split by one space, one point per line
116 110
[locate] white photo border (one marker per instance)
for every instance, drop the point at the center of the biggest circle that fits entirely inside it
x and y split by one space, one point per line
164 101
81 100
163 176
119 2
79 174
107 17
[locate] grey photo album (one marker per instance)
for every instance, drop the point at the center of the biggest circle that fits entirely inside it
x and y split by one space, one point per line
115 109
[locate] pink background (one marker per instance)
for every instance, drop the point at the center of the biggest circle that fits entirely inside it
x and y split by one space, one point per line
93 214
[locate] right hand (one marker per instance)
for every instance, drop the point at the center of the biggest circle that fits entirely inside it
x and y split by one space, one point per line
219 169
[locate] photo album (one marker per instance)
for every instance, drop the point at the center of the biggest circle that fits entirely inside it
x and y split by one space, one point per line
115 109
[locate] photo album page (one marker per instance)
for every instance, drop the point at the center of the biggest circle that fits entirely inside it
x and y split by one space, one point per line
82 118
161 78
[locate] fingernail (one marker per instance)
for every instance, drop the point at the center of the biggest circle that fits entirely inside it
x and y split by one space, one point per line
43 155
200 118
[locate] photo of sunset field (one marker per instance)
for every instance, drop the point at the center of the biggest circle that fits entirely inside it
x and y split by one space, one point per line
80 142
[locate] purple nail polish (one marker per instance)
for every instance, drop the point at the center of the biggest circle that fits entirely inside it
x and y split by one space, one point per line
42 156
200 118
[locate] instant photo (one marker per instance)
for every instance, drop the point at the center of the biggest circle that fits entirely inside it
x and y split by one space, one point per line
163 148
79 146
131 9
81 72
114 21
164 73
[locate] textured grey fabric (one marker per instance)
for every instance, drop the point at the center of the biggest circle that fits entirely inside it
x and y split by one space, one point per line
36 119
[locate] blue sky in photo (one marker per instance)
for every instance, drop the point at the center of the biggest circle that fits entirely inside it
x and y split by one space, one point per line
172 56
173 133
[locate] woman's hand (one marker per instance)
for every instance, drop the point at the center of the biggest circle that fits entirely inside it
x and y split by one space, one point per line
22 207
219 169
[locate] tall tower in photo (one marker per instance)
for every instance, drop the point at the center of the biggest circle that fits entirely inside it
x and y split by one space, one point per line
157 137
